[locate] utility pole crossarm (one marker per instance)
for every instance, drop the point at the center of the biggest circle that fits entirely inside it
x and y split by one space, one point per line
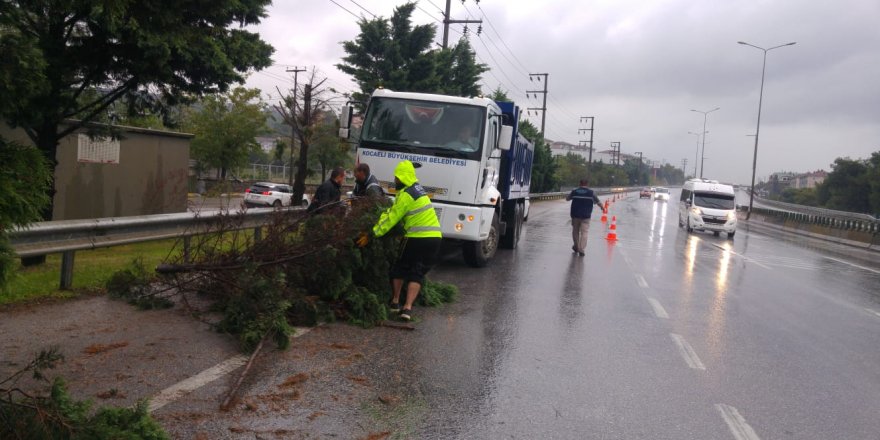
447 21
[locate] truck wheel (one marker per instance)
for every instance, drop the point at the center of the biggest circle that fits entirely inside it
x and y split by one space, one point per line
688 226
478 253
514 228
730 235
716 233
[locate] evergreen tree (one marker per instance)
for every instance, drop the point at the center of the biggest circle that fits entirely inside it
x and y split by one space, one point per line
394 54
543 167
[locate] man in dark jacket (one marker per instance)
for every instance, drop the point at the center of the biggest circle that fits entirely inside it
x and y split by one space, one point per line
366 184
330 191
582 201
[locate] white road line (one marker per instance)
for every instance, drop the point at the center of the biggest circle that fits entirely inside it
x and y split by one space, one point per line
193 383
658 309
852 264
687 352
642 282
750 260
872 311
737 424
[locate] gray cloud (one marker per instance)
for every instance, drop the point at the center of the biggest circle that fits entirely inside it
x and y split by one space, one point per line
640 66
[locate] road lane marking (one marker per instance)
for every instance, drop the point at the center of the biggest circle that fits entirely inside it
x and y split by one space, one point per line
737 424
872 311
193 383
642 282
750 260
658 308
687 352
851 264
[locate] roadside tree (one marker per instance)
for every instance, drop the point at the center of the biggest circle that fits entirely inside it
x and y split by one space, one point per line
225 128
65 63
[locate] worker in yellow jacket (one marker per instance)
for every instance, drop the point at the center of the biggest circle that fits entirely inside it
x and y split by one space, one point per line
412 207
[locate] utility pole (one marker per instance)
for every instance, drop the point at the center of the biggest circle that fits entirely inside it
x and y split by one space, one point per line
639 172
592 121
295 71
615 149
543 109
447 21
684 163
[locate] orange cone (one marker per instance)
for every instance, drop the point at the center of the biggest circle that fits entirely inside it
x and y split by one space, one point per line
612 231
604 216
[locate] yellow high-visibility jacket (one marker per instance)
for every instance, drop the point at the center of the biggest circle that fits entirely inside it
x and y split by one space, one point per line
411 205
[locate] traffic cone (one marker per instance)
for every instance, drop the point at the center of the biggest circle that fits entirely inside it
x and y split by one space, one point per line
604 215
612 230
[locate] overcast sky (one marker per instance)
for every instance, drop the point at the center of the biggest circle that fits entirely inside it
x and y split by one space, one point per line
640 66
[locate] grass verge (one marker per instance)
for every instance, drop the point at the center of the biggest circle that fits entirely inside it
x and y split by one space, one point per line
91 270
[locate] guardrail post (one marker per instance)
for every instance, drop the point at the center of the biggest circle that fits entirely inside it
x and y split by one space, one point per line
186 248
66 270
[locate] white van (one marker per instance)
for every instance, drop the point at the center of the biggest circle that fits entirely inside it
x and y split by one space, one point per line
707 205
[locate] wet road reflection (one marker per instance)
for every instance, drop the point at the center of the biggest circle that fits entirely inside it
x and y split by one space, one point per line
547 345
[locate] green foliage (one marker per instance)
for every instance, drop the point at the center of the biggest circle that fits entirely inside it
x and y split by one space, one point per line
56 55
544 166
24 182
307 268
852 185
499 95
800 196
134 284
226 126
571 168
258 308
328 150
59 416
394 54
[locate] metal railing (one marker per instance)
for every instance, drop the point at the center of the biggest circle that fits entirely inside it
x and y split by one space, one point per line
68 236
849 221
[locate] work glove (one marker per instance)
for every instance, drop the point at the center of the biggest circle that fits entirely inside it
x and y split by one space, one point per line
362 240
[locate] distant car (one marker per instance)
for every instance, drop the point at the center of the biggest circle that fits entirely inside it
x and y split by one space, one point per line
262 194
661 194
645 193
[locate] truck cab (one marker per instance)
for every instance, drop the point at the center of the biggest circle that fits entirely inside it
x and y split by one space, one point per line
468 157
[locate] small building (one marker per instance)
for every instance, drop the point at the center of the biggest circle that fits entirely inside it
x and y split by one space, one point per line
140 172
809 180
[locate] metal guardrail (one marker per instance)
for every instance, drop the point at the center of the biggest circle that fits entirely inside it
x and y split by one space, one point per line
68 236
598 191
830 218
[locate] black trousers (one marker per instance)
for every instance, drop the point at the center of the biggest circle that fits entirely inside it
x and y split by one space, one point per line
417 258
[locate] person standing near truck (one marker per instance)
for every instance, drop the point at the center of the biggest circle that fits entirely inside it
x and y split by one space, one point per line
413 209
582 201
366 184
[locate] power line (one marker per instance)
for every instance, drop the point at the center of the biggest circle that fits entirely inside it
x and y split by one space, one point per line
428 13
497 64
365 9
346 10
491 26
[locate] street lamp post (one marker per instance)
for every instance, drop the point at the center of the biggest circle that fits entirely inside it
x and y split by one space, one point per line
705 118
696 153
758 129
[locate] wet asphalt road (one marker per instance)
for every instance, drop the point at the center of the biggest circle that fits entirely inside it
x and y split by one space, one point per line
663 335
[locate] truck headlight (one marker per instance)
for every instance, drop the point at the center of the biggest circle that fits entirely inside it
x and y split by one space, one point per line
696 211
731 216
458 227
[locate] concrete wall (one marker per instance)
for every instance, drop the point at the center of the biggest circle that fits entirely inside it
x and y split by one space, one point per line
150 178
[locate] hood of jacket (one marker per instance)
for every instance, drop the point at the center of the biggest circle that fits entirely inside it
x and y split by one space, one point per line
406 173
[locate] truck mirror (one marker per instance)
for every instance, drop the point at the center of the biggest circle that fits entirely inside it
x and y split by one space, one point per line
506 138
345 118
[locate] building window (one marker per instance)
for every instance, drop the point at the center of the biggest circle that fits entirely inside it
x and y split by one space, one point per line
97 150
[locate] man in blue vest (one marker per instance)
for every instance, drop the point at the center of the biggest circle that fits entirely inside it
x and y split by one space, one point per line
582 201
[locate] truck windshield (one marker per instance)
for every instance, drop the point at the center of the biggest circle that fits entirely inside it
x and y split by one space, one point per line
438 128
713 200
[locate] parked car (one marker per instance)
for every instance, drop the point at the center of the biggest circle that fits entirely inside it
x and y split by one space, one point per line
661 194
645 193
262 194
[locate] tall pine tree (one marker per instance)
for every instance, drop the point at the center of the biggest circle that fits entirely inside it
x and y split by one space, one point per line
394 54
